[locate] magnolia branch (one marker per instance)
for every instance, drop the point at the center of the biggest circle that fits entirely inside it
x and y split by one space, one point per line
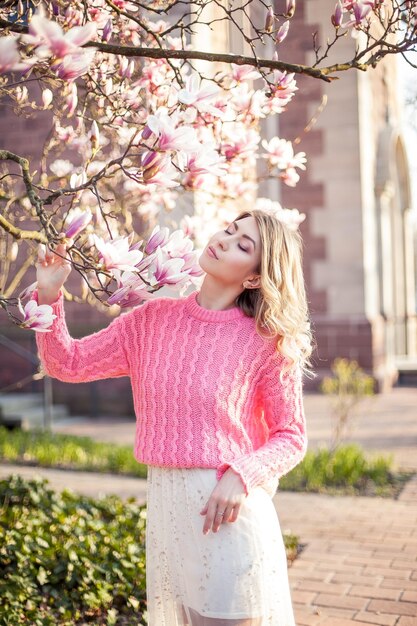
323 73
19 233
34 199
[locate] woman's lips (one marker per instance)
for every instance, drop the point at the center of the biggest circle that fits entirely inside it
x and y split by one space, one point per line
211 252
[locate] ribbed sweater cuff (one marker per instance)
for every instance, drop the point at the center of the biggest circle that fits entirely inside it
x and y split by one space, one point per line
245 469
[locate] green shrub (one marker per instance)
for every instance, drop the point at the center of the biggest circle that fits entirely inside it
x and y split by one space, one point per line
67 559
347 388
344 468
71 560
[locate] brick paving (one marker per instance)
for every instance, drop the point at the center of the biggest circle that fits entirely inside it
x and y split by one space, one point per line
359 563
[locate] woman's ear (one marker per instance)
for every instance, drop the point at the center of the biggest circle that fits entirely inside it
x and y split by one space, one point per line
252 283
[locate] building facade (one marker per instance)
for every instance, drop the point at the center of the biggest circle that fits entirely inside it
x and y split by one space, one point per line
359 257
359 250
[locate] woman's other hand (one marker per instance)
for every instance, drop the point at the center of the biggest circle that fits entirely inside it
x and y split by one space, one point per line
52 270
226 499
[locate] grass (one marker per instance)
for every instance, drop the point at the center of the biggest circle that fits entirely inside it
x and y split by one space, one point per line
68 452
346 471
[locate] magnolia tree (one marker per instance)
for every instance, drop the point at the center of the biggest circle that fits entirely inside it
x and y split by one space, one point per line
137 122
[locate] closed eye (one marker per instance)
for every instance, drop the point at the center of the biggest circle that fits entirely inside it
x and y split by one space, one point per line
239 246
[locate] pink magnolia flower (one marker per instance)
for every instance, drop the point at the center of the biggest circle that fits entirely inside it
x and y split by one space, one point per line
280 153
151 162
158 170
126 70
246 100
159 237
116 254
206 161
146 262
244 72
244 141
360 10
37 317
191 265
9 57
290 176
50 40
171 137
28 291
166 271
125 6
291 217
281 92
178 244
188 225
9 54
77 180
130 292
153 74
197 96
74 65
77 220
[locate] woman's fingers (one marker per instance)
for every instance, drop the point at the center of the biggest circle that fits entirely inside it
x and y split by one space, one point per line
61 251
41 253
235 513
217 514
210 515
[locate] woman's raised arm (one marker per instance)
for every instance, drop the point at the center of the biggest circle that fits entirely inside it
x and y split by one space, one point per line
97 356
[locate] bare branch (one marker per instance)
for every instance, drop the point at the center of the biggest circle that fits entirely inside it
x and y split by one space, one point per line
34 199
18 233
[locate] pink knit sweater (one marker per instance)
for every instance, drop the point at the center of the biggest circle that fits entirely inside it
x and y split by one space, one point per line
205 386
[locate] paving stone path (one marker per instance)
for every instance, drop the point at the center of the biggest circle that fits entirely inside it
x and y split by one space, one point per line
359 566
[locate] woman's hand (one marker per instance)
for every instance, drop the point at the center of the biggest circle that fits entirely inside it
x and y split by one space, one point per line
226 498
52 270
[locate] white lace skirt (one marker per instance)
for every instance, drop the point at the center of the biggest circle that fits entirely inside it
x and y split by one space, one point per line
235 577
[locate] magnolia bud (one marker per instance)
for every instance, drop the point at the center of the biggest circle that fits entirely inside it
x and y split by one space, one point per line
146 132
124 62
282 32
130 69
47 97
107 30
290 10
269 20
95 136
14 248
337 16
108 86
72 99
21 94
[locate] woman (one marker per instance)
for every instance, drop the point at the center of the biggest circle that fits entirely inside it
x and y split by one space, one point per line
217 386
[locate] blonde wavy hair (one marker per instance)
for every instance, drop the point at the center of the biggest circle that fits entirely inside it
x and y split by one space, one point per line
280 305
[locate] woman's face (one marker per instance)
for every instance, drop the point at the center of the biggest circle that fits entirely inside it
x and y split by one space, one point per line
238 252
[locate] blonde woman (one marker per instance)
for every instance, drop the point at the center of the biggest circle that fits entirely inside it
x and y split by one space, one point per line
217 385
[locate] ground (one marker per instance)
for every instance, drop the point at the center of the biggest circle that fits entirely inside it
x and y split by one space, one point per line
359 564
